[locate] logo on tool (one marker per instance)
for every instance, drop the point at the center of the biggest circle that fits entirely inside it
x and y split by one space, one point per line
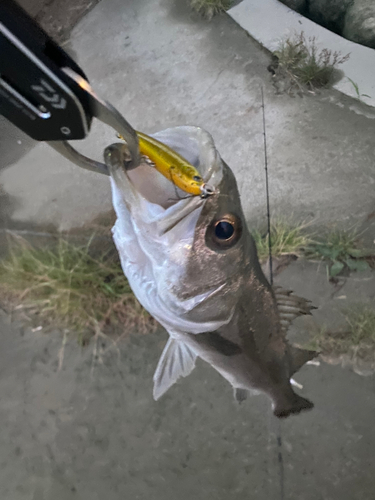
50 95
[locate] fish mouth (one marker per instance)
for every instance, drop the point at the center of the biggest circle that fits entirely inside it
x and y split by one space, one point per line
193 143
157 226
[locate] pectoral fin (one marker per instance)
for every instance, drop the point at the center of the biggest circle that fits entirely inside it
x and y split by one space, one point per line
177 360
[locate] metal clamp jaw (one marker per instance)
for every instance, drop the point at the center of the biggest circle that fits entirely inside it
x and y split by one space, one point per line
108 114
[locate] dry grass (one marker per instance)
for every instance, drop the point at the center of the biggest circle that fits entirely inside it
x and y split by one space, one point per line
210 8
69 287
299 59
286 239
356 339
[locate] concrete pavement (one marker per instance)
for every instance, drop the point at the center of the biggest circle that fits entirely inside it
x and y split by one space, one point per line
82 424
77 426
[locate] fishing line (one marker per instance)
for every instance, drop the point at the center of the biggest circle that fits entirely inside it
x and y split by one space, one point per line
267 192
279 443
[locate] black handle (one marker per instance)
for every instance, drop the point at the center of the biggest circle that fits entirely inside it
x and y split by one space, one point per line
35 93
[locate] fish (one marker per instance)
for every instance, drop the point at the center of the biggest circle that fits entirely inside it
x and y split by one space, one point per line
172 165
193 265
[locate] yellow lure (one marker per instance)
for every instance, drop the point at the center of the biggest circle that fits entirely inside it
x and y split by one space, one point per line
173 166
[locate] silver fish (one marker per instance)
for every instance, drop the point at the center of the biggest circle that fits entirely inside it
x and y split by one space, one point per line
192 263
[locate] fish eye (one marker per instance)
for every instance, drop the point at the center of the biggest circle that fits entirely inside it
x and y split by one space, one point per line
224 232
197 178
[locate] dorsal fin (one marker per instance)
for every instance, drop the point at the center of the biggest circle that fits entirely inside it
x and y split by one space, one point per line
177 360
298 357
290 306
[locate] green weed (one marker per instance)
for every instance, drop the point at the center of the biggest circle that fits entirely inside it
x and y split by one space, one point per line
68 286
209 8
356 88
340 250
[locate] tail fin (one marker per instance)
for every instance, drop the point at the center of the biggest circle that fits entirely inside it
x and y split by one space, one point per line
295 406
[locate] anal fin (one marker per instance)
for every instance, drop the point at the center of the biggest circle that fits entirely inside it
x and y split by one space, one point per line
240 395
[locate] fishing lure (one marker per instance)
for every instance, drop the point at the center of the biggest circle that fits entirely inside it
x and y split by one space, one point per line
173 166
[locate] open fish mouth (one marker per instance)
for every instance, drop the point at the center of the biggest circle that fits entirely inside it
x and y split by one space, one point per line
156 224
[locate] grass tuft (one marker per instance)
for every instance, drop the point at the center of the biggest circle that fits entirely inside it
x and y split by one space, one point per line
210 8
299 59
69 287
356 339
285 239
340 249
